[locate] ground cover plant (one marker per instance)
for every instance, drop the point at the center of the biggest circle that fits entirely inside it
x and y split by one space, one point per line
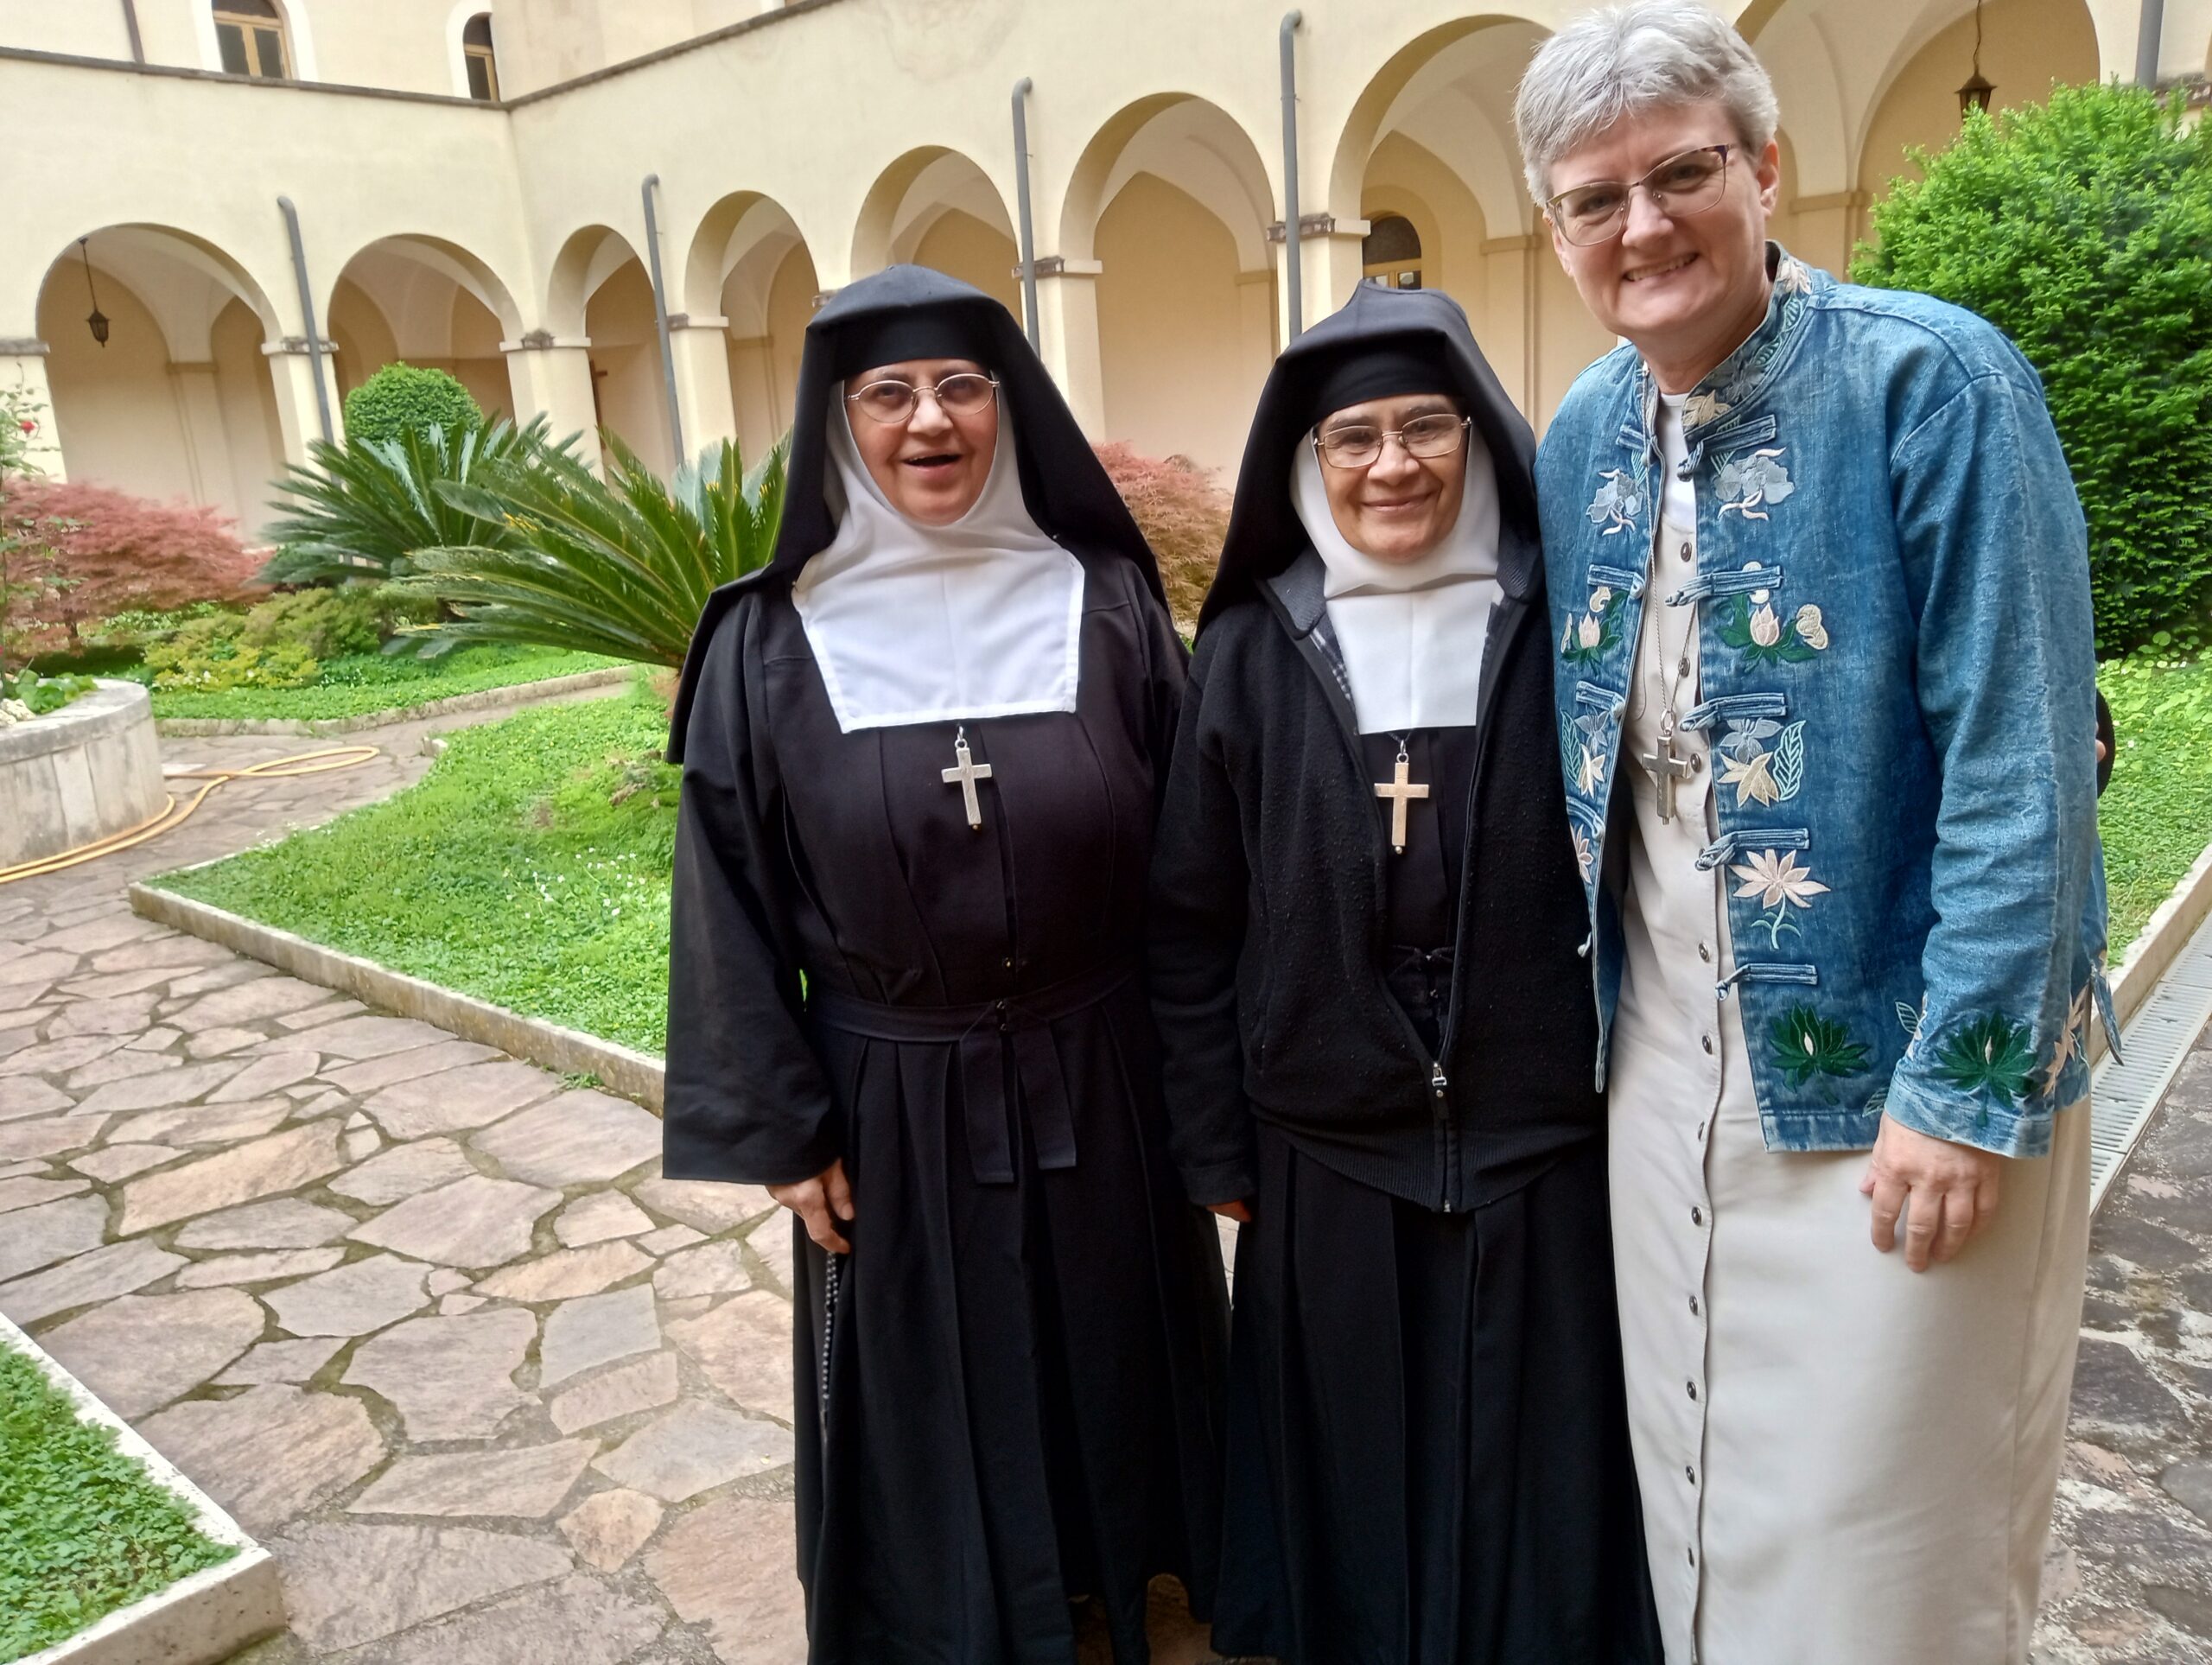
84 1530
2155 815
365 685
2082 228
530 867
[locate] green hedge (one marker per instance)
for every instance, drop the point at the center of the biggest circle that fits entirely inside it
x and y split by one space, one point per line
2083 230
402 399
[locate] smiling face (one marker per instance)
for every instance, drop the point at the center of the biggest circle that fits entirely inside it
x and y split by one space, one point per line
1686 292
1400 506
931 466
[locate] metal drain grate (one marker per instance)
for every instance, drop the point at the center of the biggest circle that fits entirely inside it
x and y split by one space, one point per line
2157 1040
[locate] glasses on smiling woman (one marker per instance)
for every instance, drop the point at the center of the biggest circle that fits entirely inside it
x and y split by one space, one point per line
1687 184
891 400
1437 434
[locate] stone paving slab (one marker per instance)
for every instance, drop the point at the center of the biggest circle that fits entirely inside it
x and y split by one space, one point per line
495 1392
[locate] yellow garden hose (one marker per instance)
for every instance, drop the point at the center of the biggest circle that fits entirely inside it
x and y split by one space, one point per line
174 815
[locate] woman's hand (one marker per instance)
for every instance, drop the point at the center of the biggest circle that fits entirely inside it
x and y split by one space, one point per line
1241 1212
821 1201
1952 1189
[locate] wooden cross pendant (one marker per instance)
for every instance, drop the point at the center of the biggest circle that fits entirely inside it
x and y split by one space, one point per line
1667 768
964 773
1400 790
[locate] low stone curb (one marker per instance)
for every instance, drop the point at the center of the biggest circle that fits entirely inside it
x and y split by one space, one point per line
621 1069
484 699
198 1620
2164 936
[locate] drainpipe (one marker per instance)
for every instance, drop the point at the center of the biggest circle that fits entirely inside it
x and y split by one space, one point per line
2149 31
307 312
660 321
131 27
1294 283
1021 201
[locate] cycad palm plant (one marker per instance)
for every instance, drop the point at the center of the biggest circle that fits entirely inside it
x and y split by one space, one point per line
621 567
359 511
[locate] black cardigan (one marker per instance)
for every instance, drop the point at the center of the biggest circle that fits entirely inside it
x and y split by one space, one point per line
1265 941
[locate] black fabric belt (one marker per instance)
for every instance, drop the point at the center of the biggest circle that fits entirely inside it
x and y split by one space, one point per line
985 1031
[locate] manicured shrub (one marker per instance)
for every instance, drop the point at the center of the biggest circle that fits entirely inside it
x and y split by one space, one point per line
107 551
1183 511
402 399
2083 230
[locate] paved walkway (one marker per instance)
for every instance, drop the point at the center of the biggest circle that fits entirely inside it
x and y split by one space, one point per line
429 1322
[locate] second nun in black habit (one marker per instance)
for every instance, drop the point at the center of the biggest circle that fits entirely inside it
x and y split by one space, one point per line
923 752
1377 1032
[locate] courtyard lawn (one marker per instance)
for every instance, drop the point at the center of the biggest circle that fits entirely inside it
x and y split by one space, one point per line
359 684
530 867
2157 815
83 1530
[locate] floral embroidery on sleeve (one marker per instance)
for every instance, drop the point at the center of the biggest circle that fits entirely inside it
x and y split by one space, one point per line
1990 1055
1802 1045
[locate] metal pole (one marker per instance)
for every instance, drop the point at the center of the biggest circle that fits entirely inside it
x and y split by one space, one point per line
1021 201
2150 32
1293 288
660 321
307 313
131 27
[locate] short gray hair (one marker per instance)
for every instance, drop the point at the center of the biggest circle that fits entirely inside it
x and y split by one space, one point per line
1624 61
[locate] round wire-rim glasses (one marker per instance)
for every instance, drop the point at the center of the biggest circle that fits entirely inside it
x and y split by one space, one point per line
1686 184
964 393
1435 434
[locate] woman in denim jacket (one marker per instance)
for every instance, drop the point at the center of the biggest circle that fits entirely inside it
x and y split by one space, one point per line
1820 595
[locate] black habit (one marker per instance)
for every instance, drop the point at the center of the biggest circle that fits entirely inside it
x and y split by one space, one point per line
1008 1392
1388 1056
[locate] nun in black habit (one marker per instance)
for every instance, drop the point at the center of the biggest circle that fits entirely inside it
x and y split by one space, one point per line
922 764
1377 1031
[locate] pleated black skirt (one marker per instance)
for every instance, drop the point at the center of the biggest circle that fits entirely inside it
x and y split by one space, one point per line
1022 1388
1426 1438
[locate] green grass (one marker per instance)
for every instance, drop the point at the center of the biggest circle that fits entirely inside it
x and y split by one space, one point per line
84 1530
2157 815
509 871
360 684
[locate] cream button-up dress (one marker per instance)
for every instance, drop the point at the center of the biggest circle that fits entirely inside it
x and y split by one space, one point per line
1842 1462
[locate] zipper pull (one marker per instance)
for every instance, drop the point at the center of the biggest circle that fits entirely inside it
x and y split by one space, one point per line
1436 1079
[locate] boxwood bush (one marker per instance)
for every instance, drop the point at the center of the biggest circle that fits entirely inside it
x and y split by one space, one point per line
401 399
2082 229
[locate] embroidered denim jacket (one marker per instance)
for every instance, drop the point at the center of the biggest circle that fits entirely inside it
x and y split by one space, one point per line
1898 685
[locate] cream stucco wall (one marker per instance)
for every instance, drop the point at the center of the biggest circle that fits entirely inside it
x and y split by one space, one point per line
809 145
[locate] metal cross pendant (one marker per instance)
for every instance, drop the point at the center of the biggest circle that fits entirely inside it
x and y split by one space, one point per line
964 773
1667 768
1400 790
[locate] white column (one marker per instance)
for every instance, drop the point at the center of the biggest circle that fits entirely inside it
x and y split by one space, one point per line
1509 334
23 364
292 373
760 407
551 376
206 441
1330 262
697 347
1828 226
1256 309
1067 331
